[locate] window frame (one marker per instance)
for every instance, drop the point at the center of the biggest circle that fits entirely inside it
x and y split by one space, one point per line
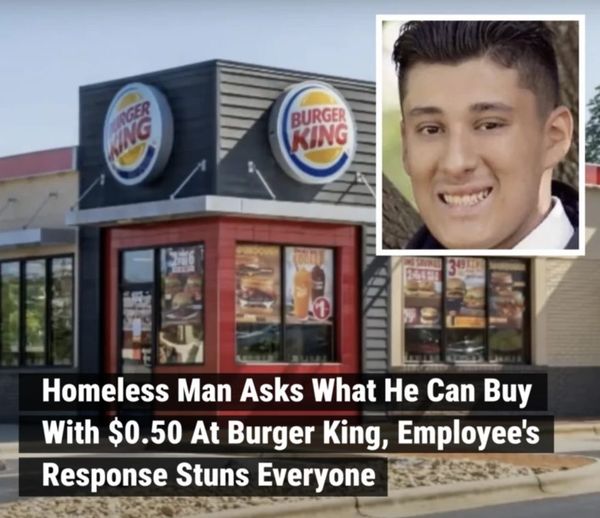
334 349
48 342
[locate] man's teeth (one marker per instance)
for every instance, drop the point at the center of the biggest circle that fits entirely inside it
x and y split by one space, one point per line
467 199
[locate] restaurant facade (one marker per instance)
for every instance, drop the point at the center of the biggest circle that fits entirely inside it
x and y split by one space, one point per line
224 221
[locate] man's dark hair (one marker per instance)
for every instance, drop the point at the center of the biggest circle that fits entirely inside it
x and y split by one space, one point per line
526 46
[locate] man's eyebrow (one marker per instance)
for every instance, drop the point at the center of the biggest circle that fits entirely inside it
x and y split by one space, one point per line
490 106
424 110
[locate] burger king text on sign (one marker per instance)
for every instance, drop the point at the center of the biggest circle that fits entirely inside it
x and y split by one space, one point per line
312 133
138 134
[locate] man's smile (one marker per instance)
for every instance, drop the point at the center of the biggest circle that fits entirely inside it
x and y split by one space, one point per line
465 198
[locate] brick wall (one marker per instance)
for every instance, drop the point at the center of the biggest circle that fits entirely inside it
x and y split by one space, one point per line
573 312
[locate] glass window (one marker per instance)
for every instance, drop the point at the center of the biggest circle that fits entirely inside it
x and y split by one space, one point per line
303 300
136 351
35 312
465 309
258 303
181 335
308 304
61 321
507 280
423 308
138 266
9 314
483 303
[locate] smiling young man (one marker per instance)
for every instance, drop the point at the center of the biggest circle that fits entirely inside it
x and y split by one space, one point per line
482 131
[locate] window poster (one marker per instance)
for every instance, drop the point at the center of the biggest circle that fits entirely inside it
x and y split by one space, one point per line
181 337
422 292
258 284
508 279
137 326
309 285
465 293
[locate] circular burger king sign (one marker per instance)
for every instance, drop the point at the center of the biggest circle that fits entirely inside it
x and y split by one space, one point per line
312 133
138 134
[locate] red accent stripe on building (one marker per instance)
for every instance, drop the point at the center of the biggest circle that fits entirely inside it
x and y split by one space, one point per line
37 163
592 174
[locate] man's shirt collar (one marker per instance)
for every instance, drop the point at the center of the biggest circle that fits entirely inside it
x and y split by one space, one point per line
553 233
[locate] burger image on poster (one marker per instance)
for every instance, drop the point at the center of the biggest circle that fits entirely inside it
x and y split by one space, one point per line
312 133
138 134
429 316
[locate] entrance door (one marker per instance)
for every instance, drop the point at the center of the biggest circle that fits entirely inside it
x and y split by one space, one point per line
137 311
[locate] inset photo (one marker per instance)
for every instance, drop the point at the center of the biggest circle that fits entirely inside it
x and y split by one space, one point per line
480 135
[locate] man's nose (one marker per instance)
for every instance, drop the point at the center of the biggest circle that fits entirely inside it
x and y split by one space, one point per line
459 157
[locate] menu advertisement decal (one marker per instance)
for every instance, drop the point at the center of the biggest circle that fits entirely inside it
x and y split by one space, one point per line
258 284
137 322
182 285
506 306
465 293
181 337
422 292
309 285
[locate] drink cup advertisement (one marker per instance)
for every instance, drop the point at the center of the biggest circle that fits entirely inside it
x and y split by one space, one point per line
309 285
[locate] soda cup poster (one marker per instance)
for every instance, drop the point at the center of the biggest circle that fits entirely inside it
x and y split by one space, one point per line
309 285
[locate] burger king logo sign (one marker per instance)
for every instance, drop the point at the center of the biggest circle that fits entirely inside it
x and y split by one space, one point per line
138 134
312 133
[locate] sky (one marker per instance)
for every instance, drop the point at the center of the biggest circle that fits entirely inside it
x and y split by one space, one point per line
49 48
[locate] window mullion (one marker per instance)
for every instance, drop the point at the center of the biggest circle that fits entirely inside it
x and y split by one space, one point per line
48 315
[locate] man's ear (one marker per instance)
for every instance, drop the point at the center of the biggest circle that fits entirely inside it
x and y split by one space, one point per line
558 135
404 158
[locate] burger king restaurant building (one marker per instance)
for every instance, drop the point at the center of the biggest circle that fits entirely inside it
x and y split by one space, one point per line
225 223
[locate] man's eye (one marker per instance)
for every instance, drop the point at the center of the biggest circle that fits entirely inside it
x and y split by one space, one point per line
490 125
429 130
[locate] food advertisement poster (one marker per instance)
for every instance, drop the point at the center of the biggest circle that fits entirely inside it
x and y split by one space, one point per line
422 292
507 293
507 281
465 293
182 277
309 285
137 324
181 337
258 284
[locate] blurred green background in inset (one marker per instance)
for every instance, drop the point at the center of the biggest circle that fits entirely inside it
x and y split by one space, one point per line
390 104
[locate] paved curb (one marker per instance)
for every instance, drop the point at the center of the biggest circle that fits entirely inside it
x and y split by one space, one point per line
413 501
590 427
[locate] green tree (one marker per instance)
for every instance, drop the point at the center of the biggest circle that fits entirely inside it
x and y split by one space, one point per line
592 130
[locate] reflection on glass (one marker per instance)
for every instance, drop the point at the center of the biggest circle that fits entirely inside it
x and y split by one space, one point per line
181 336
258 342
138 266
308 343
62 311
465 345
423 345
9 315
35 312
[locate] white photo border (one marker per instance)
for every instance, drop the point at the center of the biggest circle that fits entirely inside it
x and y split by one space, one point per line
379 21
